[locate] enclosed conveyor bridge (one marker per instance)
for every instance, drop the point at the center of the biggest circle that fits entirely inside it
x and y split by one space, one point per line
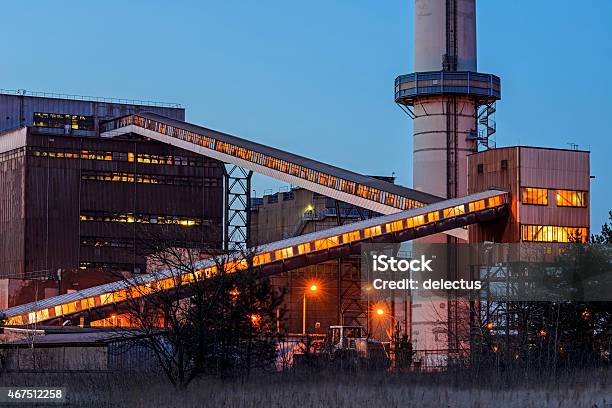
363 191
102 301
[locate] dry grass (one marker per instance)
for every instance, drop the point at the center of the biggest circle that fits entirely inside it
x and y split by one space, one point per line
588 389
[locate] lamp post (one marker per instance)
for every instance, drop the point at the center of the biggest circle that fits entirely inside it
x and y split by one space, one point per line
313 288
380 312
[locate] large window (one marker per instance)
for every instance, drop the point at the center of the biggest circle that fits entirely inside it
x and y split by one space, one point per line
552 233
537 196
571 198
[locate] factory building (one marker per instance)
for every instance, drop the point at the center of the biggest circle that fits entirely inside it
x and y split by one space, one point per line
72 200
549 193
337 298
76 209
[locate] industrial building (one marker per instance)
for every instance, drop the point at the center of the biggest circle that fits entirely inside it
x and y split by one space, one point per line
466 190
338 298
77 208
549 189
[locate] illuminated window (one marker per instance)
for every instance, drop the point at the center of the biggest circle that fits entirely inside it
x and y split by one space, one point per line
62 121
69 307
304 248
476 205
283 253
495 201
372 231
185 222
537 196
454 211
262 259
571 198
87 303
415 221
325 243
552 233
433 216
106 298
395 226
351 236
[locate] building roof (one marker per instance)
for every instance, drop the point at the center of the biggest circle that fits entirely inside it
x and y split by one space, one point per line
532 147
85 98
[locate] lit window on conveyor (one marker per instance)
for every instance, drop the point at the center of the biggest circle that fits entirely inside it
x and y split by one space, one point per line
350 237
454 211
476 205
372 231
415 221
395 226
433 216
495 201
304 248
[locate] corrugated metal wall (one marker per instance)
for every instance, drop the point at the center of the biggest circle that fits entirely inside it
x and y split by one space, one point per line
44 197
529 167
57 195
12 213
554 169
494 176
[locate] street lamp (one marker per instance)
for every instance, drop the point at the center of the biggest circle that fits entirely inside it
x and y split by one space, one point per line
313 289
380 311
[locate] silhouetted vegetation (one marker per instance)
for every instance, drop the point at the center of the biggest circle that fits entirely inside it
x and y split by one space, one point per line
223 324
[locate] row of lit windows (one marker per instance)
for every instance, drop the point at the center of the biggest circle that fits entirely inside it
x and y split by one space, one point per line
107 242
144 158
553 233
141 219
63 120
564 198
370 193
111 265
150 179
260 259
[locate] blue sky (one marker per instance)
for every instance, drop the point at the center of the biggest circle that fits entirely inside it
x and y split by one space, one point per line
316 78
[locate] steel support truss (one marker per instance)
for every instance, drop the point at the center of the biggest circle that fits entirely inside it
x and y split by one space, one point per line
237 208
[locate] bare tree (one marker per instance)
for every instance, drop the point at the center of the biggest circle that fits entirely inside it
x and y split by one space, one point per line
203 312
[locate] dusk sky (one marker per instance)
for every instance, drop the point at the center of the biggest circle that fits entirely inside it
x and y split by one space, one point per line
316 78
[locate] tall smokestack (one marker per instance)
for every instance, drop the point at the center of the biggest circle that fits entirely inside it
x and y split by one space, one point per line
444 95
447 98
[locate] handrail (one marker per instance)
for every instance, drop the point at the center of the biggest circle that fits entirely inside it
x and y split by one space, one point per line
24 92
